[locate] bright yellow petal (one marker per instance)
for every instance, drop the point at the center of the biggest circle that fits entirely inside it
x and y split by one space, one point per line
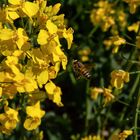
52 28
30 8
14 2
56 8
50 87
32 123
42 78
42 37
6 34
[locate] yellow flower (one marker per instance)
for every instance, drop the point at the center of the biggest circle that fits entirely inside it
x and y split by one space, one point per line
117 41
95 92
133 4
102 15
108 96
34 115
118 77
11 60
52 28
54 93
29 8
123 135
24 82
6 34
35 111
134 27
43 37
68 35
92 137
53 70
8 120
21 37
104 91
42 78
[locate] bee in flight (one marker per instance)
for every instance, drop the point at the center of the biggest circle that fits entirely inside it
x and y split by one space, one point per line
80 69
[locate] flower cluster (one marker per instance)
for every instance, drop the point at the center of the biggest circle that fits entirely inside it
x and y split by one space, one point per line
112 19
31 57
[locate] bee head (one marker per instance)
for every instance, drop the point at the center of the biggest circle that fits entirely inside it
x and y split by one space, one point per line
74 61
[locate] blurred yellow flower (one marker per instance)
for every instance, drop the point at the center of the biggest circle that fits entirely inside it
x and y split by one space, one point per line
108 95
118 77
95 92
123 135
117 41
134 27
104 91
102 15
133 4
92 137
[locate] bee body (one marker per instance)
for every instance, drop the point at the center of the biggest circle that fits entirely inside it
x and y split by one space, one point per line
81 70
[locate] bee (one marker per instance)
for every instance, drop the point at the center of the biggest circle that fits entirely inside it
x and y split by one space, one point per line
80 69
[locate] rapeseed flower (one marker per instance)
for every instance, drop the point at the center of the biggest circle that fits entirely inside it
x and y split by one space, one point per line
123 135
34 115
8 120
118 77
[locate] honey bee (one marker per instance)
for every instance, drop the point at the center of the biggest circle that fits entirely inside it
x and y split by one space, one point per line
80 69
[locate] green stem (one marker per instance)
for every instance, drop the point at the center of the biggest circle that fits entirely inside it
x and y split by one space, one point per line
132 91
131 44
88 108
93 31
134 72
136 113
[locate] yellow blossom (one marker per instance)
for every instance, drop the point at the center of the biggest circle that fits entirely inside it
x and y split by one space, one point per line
52 28
123 135
9 120
133 4
68 35
54 93
42 78
117 41
134 27
11 60
92 137
102 15
34 115
21 37
24 82
29 8
42 37
108 96
95 92
6 34
118 77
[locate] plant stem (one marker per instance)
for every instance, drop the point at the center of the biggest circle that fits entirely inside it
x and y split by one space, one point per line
132 91
136 113
88 108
